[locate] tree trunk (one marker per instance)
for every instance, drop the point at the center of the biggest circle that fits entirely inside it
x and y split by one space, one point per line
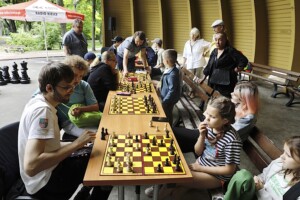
63 27
11 25
93 24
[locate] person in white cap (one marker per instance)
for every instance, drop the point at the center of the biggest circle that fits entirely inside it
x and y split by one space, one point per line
193 52
218 27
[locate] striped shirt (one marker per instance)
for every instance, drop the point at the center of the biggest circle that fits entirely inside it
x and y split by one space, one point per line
225 151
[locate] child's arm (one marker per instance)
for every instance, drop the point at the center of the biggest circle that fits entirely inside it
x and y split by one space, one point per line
200 145
228 169
172 88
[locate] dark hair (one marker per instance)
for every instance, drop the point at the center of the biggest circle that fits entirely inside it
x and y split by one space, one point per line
225 36
140 34
293 143
77 22
53 73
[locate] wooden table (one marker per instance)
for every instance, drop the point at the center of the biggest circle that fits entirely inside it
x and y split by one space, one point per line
136 124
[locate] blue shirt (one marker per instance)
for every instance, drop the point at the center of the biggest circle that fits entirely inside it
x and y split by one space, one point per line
170 85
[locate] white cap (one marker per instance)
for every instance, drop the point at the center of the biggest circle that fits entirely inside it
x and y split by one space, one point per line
218 22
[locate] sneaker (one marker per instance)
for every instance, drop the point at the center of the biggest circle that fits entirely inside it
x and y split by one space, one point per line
149 191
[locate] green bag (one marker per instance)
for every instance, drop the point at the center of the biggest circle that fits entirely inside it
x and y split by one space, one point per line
86 119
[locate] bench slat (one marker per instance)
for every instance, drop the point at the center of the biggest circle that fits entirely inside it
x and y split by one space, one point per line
297 74
276 73
184 115
192 112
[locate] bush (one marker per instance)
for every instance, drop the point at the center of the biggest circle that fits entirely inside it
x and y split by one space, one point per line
34 40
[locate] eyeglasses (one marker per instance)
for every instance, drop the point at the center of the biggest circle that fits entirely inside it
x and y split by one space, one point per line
67 88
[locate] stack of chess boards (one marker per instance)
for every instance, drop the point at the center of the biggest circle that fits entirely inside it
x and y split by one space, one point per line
141 155
133 105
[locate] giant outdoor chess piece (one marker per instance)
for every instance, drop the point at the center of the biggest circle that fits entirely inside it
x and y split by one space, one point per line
24 76
5 74
2 81
15 75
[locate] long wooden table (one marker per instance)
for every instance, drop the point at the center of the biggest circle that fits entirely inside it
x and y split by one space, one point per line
136 124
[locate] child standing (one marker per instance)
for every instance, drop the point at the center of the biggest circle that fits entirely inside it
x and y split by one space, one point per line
170 83
218 147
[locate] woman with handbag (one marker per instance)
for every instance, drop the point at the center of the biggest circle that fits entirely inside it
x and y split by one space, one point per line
223 65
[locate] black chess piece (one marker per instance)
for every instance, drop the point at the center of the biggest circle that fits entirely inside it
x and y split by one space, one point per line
5 74
167 134
2 81
175 159
159 169
106 133
154 141
172 152
15 75
167 163
161 143
146 135
102 134
136 138
24 76
177 168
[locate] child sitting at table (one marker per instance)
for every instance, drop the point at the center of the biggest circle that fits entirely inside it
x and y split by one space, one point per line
170 83
218 148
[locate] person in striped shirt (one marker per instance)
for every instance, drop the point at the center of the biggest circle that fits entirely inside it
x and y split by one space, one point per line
218 147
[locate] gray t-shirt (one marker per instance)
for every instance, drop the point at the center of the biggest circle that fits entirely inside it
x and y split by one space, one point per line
129 44
76 43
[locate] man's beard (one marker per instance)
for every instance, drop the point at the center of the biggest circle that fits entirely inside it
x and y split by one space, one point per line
59 98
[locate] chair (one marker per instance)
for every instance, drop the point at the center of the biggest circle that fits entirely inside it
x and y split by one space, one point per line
9 160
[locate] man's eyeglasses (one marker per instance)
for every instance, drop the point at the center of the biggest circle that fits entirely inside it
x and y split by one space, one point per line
67 88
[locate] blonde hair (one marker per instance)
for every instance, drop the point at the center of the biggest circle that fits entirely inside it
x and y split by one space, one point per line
247 92
77 62
195 31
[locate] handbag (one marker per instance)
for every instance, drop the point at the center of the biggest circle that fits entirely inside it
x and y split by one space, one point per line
86 119
220 77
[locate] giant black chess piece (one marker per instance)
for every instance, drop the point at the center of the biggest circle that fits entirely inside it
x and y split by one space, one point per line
2 81
5 74
15 75
24 76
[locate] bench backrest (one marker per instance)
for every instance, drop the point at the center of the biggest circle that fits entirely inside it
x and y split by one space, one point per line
260 149
202 90
278 72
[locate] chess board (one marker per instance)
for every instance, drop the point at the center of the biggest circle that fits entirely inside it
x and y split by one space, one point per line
135 87
130 106
142 163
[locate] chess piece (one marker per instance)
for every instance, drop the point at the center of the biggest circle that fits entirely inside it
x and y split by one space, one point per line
114 135
112 142
146 135
177 168
171 147
167 134
129 143
5 74
106 133
128 135
128 159
157 130
137 146
148 149
161 144
102 134
159 169
166 127
129 168
150 123
175 159
15 75
172 152
137 138
24 76
167 163
154 141
111 151
108 161
119 168
2 81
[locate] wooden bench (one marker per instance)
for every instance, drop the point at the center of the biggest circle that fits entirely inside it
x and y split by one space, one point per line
190 113
277 76
20 49
292 91
260 150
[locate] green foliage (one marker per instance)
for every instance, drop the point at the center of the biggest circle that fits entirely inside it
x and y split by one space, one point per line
85 7
34 40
